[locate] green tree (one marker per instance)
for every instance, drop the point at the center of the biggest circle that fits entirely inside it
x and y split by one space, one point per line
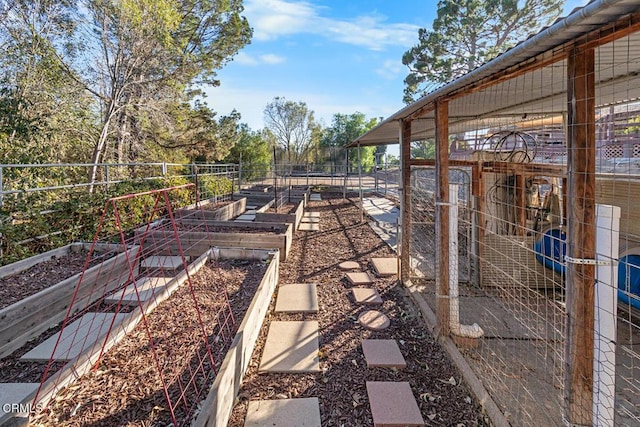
467 33
251 150
425 149
292 127
344 129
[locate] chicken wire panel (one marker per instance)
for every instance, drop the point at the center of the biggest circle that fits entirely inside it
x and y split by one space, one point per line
423 223
617 289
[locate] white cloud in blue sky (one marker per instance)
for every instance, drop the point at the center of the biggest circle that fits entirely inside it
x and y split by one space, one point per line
273 19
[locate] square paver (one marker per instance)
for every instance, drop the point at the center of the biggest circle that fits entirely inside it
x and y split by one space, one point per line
310 219
309 226
367 296
15 394
297 298
246 217
359 278
166 262
310 214
283 413
385 267
383 354
315 197
147 287
291 347
393 404
76 337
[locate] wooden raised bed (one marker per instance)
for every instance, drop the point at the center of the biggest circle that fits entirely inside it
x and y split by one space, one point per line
224 213
289 218
33 315
84 362
218 405
194 243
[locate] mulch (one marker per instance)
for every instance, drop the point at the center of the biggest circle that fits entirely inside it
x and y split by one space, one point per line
126 388
42 275
341 386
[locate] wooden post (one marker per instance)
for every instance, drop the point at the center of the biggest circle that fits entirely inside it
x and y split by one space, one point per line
442 217
405 167
521 201
581 217
478 193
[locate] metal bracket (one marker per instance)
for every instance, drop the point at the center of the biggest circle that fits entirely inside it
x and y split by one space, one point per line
586 261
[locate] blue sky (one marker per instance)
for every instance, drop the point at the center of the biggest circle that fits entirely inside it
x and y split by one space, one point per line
338 56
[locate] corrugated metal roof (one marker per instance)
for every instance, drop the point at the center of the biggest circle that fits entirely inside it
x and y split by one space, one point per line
539 92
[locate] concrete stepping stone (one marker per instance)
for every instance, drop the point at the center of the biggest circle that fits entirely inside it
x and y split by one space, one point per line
291 347
385 267
359 278
393 404
76 337
12 395
315 197
309 226
297 298
283 413
251 207
311 214
374 320
349 265
310 219
246 217
383 354
165 262
366 296
147 288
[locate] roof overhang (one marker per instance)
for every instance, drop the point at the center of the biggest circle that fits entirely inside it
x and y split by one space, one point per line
491 95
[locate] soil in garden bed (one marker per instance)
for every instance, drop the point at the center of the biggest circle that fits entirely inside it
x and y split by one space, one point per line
214 206
341 386
231 228
42 275
287 208
126 388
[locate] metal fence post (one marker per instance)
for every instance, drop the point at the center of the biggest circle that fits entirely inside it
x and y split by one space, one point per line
106 176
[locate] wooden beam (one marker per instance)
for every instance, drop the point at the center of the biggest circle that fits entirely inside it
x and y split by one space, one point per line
442 218
581 237
405 248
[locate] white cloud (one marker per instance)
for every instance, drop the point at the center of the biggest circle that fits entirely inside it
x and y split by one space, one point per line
272 59
244 58
390 69
271 19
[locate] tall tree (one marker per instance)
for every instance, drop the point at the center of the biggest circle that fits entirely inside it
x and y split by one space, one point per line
344 129
293 128
467 33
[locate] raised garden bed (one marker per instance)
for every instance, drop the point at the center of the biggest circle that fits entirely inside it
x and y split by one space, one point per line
290 213
30 316
221 211
98 397
250 235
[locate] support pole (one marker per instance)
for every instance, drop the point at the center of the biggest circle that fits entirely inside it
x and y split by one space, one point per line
606 305
442 217
521 201
405 200
360 184
581 146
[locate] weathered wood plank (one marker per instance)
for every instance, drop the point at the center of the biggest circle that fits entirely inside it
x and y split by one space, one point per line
581 236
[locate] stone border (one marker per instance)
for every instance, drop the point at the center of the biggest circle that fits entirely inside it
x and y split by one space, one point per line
29 317
217 407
